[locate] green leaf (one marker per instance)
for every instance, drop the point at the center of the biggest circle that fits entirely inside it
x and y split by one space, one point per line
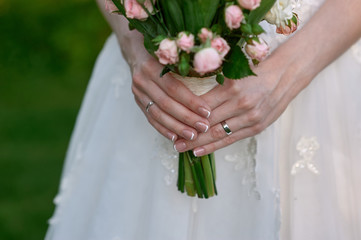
236 65
173 16
258 14
165 70
149 28
247 28
257 29
220 78
158 39
198 13
184 66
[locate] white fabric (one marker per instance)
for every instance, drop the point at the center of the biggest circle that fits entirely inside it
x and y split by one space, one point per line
119 178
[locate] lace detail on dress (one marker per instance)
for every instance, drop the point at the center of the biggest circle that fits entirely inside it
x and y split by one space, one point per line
356 51
245 160
169 159
307 148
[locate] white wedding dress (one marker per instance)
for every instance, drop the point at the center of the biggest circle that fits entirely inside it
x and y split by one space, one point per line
298 180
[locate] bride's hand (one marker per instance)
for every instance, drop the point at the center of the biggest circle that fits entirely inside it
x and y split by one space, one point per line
248 105
176 110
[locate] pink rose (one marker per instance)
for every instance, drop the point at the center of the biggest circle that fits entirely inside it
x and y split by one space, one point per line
185 42
221 46
290 27
205 34
257 50
110 7
134 10
207 60
167 52
249 4
234 16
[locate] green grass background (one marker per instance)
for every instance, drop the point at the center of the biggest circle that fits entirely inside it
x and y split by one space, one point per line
47 51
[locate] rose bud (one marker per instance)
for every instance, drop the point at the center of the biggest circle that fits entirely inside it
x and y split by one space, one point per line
167 52
185 42
110 7
134 10
221 46
249 4
290 27
234 16
257 50
205 34
207 60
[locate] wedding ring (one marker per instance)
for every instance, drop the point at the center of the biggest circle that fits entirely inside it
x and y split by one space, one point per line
226 128
148 106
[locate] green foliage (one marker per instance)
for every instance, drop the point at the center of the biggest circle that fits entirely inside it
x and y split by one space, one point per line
236 65
220 78
46 58
258 14
173 16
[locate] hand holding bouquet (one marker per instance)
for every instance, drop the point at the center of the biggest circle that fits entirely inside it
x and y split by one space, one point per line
200 39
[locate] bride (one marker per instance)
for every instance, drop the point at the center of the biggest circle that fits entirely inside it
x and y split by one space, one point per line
290 169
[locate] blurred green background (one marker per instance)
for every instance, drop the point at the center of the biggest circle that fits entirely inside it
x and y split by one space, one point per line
47 51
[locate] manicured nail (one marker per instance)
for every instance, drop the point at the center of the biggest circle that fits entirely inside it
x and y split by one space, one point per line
202 127
199 152
204 112
171 137
179 146
189 135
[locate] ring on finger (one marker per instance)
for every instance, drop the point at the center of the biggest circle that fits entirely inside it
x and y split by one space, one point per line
149 105
226 128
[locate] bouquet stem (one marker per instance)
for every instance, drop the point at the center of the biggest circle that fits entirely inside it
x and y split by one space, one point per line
197 175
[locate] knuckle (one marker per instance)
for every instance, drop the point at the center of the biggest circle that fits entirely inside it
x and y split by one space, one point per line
235 88
217 132
137 80
258 128
164 104
171 87
229 140
246 102
254 116
156 115
186 118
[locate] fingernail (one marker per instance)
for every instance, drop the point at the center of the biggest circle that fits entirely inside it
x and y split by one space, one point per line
171 136
202 127
199 152
179 146
188 134
204 112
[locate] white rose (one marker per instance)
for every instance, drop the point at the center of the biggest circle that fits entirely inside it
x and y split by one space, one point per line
280 13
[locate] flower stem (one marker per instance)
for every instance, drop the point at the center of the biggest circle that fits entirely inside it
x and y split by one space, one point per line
181 173
208 174
188 179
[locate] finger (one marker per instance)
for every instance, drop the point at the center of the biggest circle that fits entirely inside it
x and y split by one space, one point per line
162 130
164 119
250 131
228 110
177 90
218 132
218 95
212 147
175 109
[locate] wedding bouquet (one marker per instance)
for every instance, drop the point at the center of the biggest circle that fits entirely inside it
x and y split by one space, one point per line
202 40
